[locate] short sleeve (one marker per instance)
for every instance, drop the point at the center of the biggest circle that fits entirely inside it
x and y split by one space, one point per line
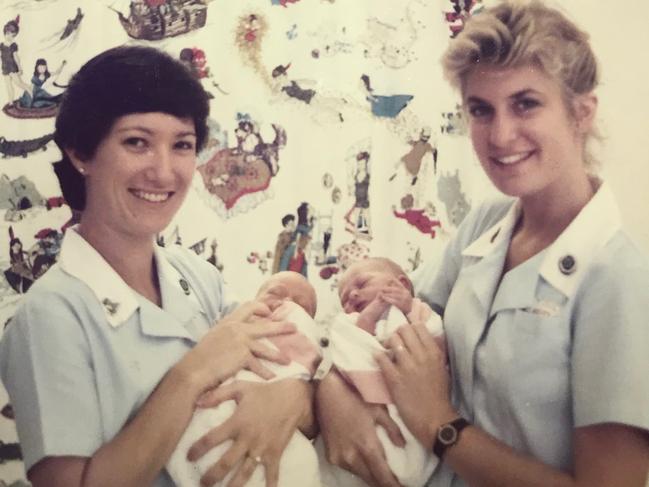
14 48
610 356
46 368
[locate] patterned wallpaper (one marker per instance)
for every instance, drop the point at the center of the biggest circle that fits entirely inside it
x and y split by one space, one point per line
332 136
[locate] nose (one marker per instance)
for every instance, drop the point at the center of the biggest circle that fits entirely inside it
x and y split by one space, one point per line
502 130
161 167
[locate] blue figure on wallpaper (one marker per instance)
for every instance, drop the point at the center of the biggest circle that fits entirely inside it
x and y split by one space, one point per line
39 97
388 106
294 256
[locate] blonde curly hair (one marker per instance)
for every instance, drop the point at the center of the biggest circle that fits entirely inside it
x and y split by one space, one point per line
516 33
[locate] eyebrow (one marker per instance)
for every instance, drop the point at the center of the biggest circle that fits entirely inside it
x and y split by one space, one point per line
151 132
515 96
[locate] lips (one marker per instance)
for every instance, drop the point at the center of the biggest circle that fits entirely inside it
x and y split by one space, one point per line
512 159
151 197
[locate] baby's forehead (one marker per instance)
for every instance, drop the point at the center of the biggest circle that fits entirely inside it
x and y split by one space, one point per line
292 280
367 265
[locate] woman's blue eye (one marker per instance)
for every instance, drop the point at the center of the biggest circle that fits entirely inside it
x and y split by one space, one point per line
525 104
478 111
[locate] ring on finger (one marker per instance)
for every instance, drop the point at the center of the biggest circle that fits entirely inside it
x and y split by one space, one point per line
254 458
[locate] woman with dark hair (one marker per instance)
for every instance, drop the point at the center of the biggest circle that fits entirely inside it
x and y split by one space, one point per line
543 294
109 353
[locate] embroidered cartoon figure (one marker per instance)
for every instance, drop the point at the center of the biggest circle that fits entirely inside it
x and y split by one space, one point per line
235 179
357 219
39 97
11 67
449 191
156 19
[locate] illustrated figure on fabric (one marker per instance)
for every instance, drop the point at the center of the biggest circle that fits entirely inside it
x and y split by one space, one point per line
25 266
285 238
66 37
454 123
250 31
462 10
357 219
11 67
294 256
235 178
39 97
449 191
156 19
388 106
391 40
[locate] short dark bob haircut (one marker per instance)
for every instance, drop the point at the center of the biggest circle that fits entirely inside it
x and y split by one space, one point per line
121 81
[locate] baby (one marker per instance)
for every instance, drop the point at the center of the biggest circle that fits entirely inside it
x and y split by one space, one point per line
376 296
292 299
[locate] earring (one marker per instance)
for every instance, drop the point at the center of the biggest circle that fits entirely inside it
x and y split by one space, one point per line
82 171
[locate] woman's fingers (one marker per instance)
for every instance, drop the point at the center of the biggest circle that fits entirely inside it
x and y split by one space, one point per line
235 455
209 440
260 369
217 395
262 351
267 328
378 470
247 467
382 418
272 474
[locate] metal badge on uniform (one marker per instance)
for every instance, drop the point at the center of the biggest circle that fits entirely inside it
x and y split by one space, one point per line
185 286
110 306
567 265
544 308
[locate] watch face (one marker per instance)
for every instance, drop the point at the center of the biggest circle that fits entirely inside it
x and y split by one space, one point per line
447 435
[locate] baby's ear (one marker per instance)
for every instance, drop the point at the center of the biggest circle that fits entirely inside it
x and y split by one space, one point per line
405 282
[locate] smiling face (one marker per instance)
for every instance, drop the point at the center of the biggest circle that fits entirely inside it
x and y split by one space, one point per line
526 139
362 282
139 175
288 286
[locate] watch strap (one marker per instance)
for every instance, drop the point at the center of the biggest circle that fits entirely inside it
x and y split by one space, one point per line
448 435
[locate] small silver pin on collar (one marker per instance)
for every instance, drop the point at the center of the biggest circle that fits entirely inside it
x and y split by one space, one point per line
111 306
185 286
567 265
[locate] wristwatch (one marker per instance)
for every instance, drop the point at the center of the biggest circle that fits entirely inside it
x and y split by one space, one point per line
447 436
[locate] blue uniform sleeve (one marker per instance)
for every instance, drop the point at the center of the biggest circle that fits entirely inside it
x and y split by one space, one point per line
46 368
610 356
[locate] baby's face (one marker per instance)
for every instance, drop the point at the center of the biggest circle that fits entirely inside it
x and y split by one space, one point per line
361 284
288 286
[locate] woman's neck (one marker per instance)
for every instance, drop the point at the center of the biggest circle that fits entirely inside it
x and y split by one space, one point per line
547 214
544 217
130 257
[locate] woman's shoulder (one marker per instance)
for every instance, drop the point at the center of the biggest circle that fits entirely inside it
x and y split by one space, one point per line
620 262
55 303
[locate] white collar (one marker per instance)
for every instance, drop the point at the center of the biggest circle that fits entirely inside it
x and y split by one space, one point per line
119 301
591 229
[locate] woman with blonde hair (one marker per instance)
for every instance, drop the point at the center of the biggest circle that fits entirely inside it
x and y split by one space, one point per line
543 294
